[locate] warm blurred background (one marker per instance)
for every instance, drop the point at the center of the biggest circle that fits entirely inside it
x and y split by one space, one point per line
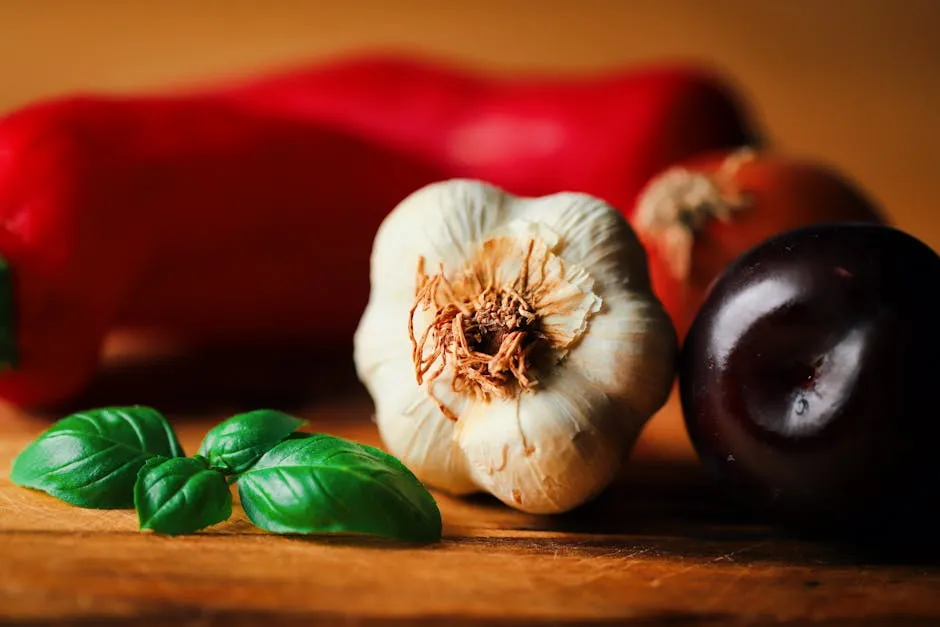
852 82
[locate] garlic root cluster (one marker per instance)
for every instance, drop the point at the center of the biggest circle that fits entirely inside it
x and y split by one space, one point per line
512 345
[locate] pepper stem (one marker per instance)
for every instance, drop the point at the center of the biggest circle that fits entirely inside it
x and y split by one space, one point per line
680 202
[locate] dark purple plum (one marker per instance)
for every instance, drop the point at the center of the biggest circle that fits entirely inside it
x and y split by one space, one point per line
810 379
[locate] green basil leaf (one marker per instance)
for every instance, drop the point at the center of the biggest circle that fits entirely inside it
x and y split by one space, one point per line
234 445
91 458
324 484
180 495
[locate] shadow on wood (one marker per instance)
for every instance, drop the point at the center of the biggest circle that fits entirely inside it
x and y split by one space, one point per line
223 379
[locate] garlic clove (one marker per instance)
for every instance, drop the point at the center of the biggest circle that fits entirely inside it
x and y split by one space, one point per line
630 353
379 339
416 431
593 236
444 223
548 452
412 425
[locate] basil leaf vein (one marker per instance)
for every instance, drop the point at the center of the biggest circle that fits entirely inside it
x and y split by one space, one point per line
235 444
326 484
180 495
91 459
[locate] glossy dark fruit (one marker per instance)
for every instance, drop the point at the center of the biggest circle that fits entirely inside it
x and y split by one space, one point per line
810 380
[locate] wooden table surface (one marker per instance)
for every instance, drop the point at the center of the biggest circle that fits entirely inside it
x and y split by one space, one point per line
658 548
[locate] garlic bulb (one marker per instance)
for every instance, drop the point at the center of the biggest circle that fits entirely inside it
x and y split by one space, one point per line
512 345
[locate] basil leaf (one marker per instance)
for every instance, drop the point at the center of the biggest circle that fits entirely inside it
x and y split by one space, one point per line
326 484
91 458
180 495
234 445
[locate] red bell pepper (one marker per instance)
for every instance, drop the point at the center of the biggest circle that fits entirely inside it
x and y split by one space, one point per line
246 212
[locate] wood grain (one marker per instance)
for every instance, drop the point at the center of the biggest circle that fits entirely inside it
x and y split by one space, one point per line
658 548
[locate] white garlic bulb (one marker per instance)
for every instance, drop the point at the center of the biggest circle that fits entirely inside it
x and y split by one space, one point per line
512 345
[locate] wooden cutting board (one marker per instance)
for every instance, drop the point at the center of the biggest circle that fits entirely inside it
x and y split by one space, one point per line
658 548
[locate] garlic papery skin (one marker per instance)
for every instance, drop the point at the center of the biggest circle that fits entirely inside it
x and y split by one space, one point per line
512 345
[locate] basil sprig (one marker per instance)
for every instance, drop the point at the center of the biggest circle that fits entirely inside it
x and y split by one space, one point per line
288 481
91 459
